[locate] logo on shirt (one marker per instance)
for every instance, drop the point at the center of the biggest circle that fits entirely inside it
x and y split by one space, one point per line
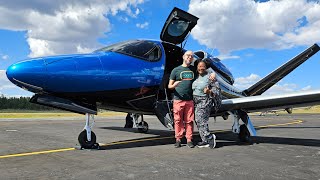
186 75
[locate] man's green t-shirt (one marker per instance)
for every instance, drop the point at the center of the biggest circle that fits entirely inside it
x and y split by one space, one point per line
184 89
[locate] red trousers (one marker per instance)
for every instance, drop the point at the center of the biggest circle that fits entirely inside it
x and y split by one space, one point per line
183 112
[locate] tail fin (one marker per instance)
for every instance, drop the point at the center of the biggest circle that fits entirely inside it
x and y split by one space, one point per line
275 76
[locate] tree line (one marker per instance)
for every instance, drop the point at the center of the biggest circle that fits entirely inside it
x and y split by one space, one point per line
20 103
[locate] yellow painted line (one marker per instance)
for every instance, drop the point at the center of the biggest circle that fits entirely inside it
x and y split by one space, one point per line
284 124
35 153
130 141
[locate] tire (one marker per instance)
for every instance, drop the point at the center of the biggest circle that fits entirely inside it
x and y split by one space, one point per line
82 138
244 135
145 127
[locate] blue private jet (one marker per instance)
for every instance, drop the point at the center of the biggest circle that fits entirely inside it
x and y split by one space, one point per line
132 77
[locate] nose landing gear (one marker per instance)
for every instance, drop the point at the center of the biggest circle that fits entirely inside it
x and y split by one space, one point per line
87 138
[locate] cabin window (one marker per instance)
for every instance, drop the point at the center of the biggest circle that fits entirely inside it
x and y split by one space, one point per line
146 50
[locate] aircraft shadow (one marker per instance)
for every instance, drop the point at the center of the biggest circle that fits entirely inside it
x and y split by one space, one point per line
165 137
135 130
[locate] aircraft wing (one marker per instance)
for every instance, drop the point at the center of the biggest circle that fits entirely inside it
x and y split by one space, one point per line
272 102
267 82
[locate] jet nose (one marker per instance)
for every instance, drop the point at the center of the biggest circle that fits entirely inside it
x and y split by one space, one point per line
28 74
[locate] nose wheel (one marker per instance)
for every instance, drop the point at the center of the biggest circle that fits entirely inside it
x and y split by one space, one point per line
87 138
84 142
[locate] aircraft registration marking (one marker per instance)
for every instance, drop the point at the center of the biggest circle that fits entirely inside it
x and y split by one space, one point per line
129 141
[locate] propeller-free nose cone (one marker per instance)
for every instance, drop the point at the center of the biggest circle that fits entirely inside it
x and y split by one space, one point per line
29 74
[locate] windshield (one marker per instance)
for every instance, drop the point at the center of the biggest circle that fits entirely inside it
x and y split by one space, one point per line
147 50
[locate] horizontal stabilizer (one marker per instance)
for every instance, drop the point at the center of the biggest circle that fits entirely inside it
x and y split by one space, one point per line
64 104
274 77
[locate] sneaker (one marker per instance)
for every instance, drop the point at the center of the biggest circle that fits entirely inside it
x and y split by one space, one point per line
203 144
190 144
212 142
177 144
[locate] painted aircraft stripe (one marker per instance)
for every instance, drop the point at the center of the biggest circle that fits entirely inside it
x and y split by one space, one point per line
130 141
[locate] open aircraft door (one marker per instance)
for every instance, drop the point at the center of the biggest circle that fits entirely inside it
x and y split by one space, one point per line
176 29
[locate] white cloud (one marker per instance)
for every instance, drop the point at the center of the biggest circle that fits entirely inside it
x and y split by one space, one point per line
224 57
81 49
306 88
282 89
60 27
133 14
8 89
245 82
4 57
142 26
39 47
233 25
4 82
125 19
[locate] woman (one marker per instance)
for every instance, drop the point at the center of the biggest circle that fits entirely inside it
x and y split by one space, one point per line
203 97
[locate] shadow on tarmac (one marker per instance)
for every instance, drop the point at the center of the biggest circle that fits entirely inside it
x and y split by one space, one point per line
227 138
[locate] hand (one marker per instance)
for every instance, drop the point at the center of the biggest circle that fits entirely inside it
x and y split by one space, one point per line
212 76
176 83
206 90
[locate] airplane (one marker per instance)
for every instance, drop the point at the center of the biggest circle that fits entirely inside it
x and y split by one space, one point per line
132 77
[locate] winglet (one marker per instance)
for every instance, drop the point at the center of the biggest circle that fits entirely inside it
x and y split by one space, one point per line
275 76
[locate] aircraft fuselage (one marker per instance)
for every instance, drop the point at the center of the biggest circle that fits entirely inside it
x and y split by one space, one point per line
114 79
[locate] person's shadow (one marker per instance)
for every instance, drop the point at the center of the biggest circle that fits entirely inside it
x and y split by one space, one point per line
225 138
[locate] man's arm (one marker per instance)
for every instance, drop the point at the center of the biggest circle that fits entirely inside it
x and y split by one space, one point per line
212 75
173 84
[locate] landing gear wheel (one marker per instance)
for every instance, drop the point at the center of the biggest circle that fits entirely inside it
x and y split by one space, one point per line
244 134
129 121
144 128
82 138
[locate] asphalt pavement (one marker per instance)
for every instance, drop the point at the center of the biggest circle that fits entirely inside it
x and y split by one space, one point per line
287 147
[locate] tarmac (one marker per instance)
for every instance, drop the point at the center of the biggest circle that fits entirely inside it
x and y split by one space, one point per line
287 147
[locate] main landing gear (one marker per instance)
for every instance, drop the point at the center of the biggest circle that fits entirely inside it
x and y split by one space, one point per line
132 120
244 131
87 138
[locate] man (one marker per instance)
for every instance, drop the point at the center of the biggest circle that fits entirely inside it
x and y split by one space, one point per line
181 79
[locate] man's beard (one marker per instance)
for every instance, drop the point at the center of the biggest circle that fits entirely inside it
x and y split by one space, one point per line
187 62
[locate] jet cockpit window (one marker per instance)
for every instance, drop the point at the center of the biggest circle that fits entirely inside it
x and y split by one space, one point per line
177 28
142 49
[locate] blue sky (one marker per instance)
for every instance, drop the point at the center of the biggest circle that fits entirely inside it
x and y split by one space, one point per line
251 37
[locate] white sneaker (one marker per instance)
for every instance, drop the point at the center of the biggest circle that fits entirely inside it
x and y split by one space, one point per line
202 144
212 142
